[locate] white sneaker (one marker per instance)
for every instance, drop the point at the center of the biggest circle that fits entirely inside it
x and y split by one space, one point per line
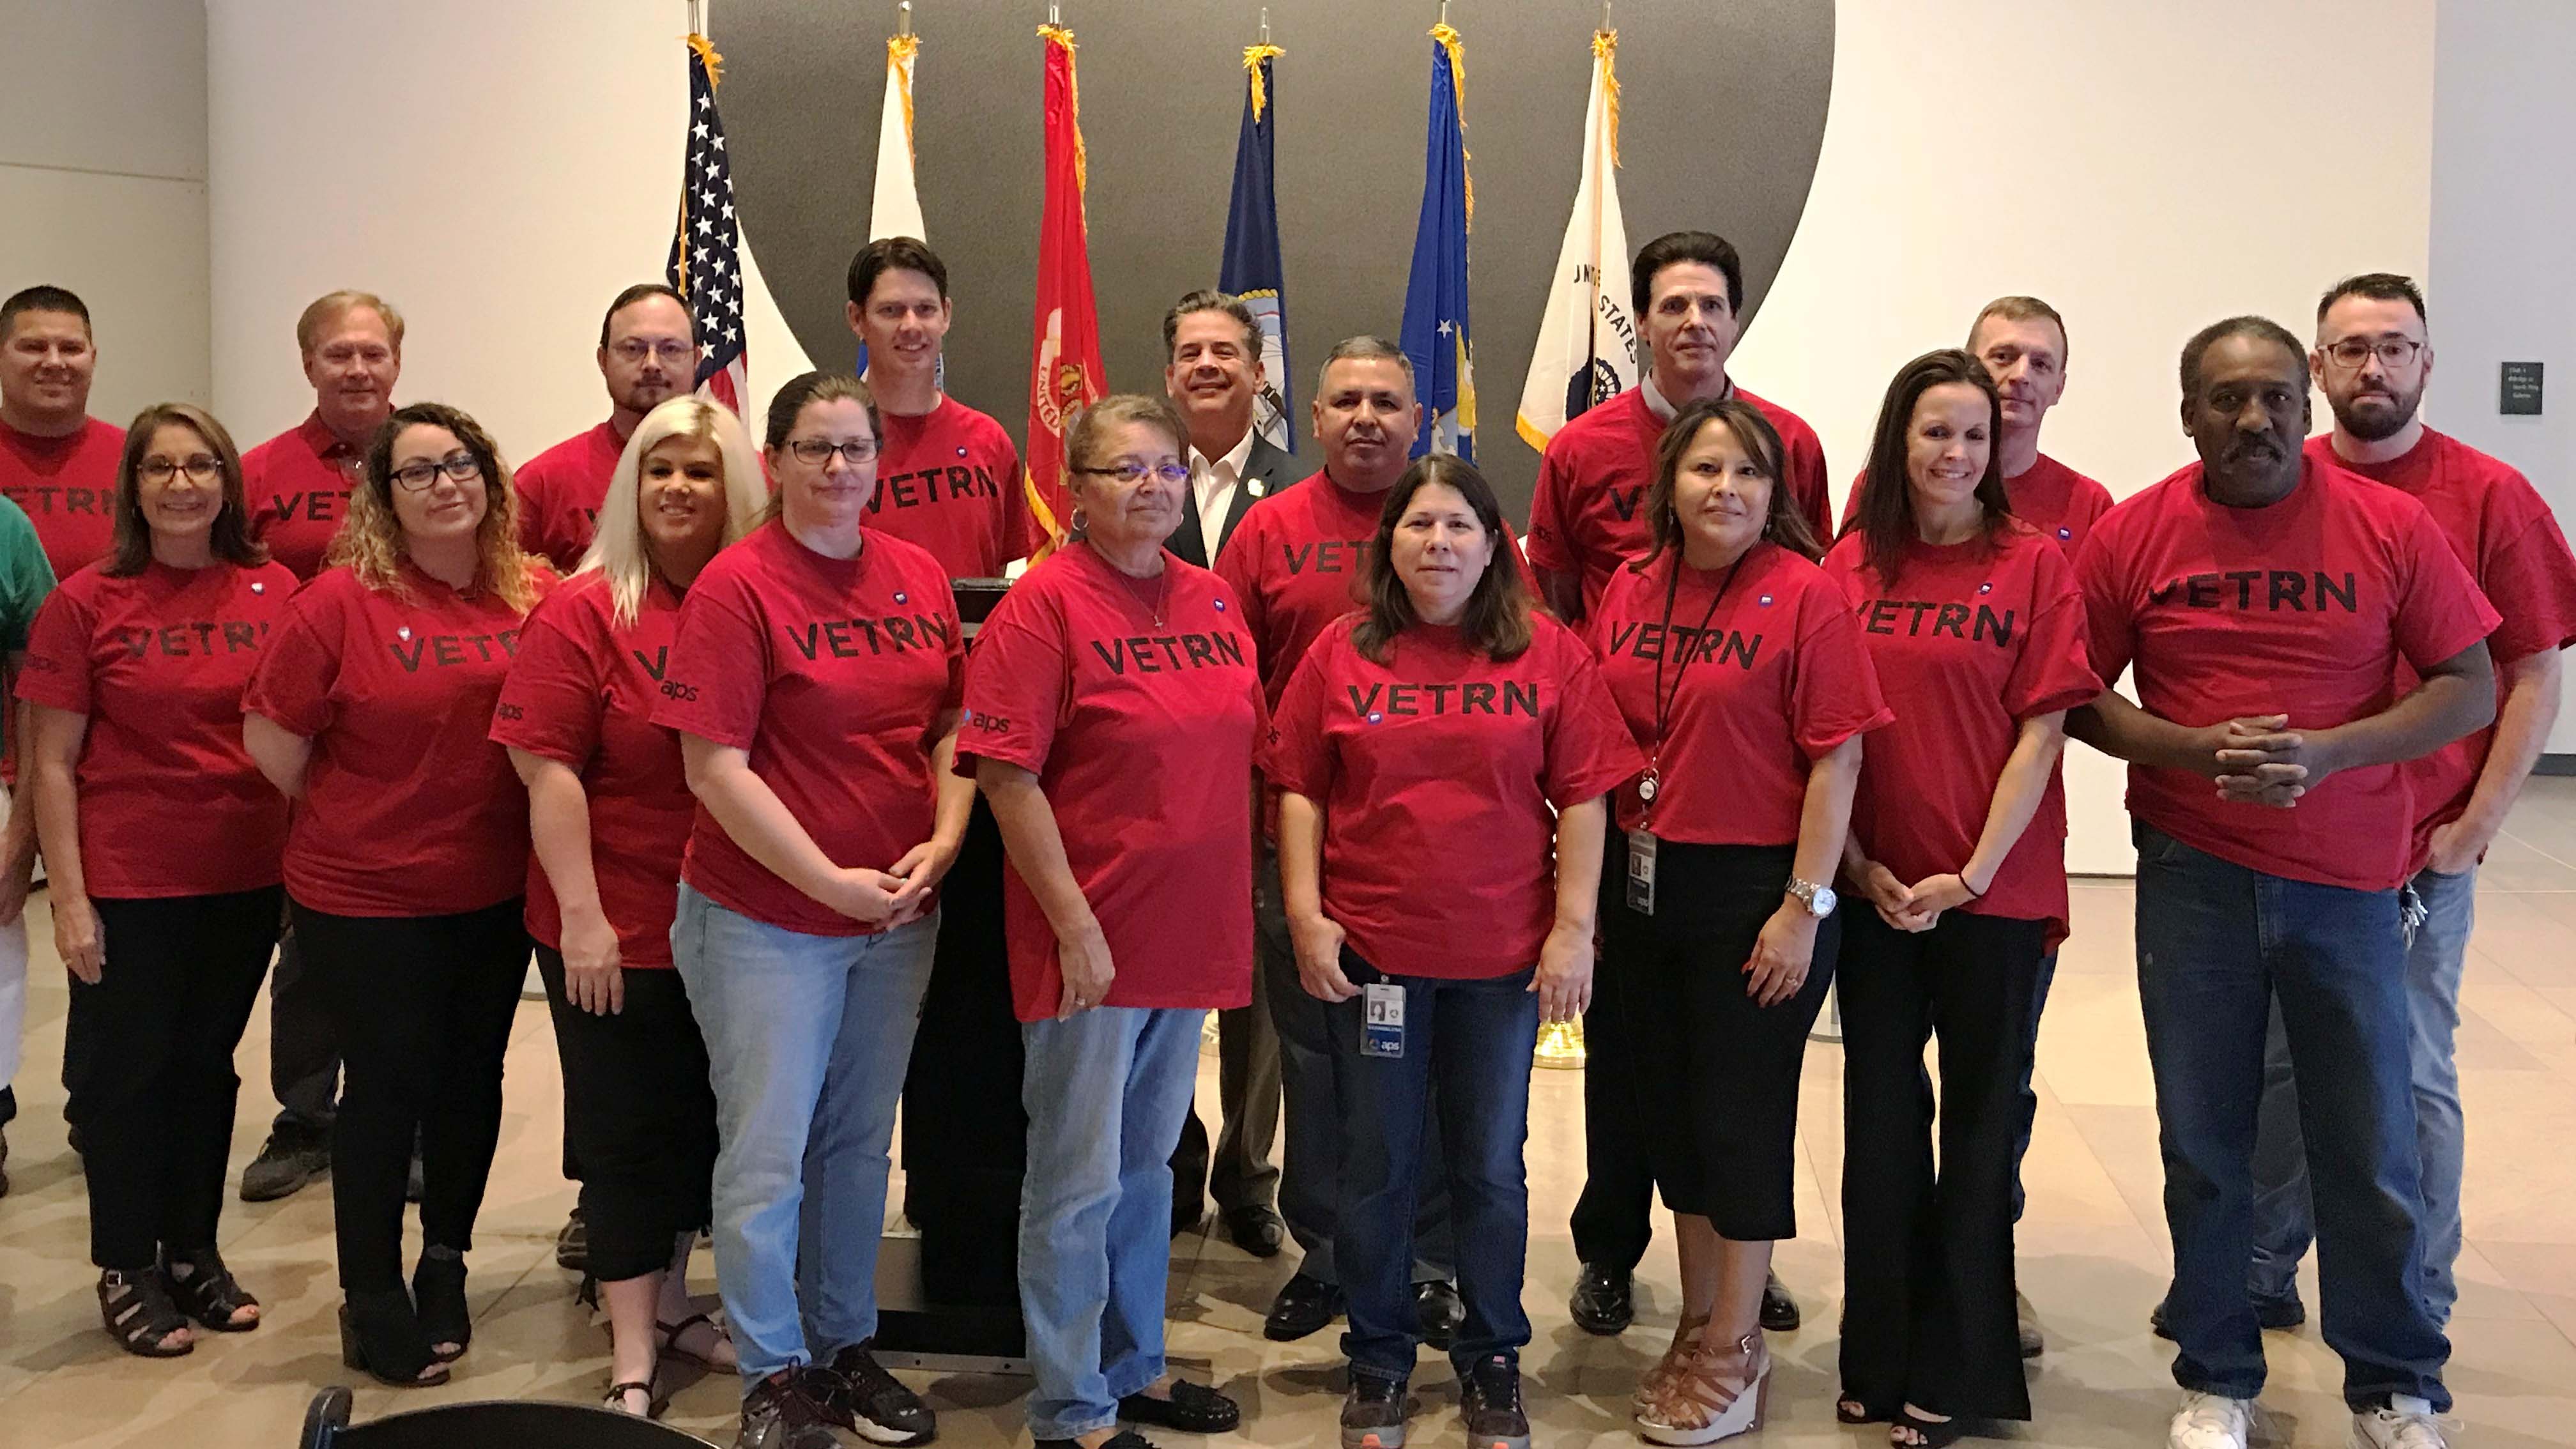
2407 1423
2211 1421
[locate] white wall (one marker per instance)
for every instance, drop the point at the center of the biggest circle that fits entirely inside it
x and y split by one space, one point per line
2501 284
2147 172
103 183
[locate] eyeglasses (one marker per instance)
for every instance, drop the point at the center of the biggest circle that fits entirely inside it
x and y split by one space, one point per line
419 475
2393 352
1134 472
161 470
636 349
819 451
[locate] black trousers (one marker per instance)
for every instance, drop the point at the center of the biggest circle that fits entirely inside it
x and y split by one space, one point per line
303 1047
1928 1314
422 1006
639 1111
1614 1218
148 1066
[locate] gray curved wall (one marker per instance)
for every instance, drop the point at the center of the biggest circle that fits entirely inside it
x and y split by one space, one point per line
1724 111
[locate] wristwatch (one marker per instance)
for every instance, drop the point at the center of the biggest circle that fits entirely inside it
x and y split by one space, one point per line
1819 900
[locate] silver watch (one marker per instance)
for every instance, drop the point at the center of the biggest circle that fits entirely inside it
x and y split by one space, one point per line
1818 899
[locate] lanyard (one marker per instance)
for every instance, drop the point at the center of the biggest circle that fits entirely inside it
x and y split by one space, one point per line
1651 783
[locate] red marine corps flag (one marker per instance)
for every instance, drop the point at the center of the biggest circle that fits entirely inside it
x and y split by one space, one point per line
1065 372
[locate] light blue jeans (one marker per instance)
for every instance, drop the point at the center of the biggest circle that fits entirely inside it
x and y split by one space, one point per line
807 1041
1105 1092
2284 1216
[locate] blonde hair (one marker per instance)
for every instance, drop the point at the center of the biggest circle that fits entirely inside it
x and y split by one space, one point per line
331 306
618 548
370 540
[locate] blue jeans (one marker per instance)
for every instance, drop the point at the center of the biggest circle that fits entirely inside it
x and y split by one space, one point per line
807 1041
1105 1093
2284 1218
2216 943
1472 1040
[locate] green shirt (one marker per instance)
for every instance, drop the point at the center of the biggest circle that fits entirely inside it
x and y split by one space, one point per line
25 577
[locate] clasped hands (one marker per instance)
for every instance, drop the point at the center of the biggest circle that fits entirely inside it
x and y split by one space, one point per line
2256 761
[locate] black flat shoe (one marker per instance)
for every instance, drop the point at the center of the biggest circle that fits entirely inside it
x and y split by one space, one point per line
1256 1230
1604 1302
1779 1310
1438 1313
1192 1409
1303 1306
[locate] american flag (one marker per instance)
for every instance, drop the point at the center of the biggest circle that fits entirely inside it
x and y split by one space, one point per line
706 251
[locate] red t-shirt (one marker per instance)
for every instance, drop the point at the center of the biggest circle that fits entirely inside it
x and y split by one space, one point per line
560 491
1756 686
1588 514
298 483
2049 496
1972 641
1141 733
835 675
1437 771
581 693
409 809
2511 544
67 485
2304 608
170 803
949 480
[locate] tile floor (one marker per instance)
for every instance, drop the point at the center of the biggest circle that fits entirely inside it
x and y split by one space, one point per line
2093 1252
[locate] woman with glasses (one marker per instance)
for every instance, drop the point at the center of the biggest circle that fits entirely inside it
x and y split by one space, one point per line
162 848
609 811
814 681
1112 713
407 857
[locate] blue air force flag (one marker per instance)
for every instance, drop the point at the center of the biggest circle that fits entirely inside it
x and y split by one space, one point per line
1251 268
1435 300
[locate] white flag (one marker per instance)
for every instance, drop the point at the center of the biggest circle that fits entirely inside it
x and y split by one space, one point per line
1587 341
896 211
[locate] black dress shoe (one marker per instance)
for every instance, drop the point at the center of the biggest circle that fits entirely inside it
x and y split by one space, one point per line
1304 1306
1779 1310
1192 1409
1603 1302
572 1244
1438 1313
1256 1230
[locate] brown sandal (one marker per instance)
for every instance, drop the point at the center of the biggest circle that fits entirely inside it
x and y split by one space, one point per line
1651 1383
1714 1393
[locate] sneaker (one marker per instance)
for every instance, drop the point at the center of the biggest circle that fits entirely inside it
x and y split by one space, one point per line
572 1244
1489 1404
289 1160
782 1412
2407 1423
1373 1414
871 1403
2211 1421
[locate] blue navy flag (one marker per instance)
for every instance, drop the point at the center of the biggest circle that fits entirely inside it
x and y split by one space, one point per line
1435 300
706 251
1251 269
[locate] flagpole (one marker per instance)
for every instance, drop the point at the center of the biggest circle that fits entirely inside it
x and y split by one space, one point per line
903 19
1599 140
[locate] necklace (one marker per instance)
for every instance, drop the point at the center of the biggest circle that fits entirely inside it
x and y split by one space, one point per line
1152 602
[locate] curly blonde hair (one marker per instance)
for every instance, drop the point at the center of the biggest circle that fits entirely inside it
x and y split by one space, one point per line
370 540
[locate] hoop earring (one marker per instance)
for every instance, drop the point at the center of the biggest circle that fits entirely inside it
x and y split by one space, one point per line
1078 524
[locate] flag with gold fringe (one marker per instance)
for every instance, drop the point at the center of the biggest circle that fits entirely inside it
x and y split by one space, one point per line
1587 341
1436 334
1065 372
1252 270
706 250
895 208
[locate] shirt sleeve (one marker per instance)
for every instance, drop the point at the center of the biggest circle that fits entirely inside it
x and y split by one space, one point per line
1237 564
25 578
550 703
1589 750
298 671
2054 670
717 684
2109 630
1549 547
2530 577
1808 487
57 672
1833 688
2439 609
1298 757
1017 682
530 484
1019 521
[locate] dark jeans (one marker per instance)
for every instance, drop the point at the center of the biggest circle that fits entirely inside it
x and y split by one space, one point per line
638 1109
303 1048
422 1007
1928 1314
1473 1039
148 1066
2217 942
1310 1179
2028 1100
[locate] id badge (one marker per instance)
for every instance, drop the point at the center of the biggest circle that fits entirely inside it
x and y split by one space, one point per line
1382 1031
1641 872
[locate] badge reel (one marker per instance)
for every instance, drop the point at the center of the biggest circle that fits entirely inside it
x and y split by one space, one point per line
1382 1028
1641 853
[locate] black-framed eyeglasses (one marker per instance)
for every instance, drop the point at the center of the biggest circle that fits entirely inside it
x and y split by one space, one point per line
817 452
1132 472
2393 352
636 349
460 466
200 467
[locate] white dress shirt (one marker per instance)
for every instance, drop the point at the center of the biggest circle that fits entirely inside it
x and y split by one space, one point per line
1212 485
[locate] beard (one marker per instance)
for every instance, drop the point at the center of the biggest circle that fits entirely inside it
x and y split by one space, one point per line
2384 417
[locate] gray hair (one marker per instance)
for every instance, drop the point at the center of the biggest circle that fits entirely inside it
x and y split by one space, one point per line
1365 347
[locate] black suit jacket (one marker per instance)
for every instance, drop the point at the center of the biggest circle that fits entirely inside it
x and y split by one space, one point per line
1265 465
